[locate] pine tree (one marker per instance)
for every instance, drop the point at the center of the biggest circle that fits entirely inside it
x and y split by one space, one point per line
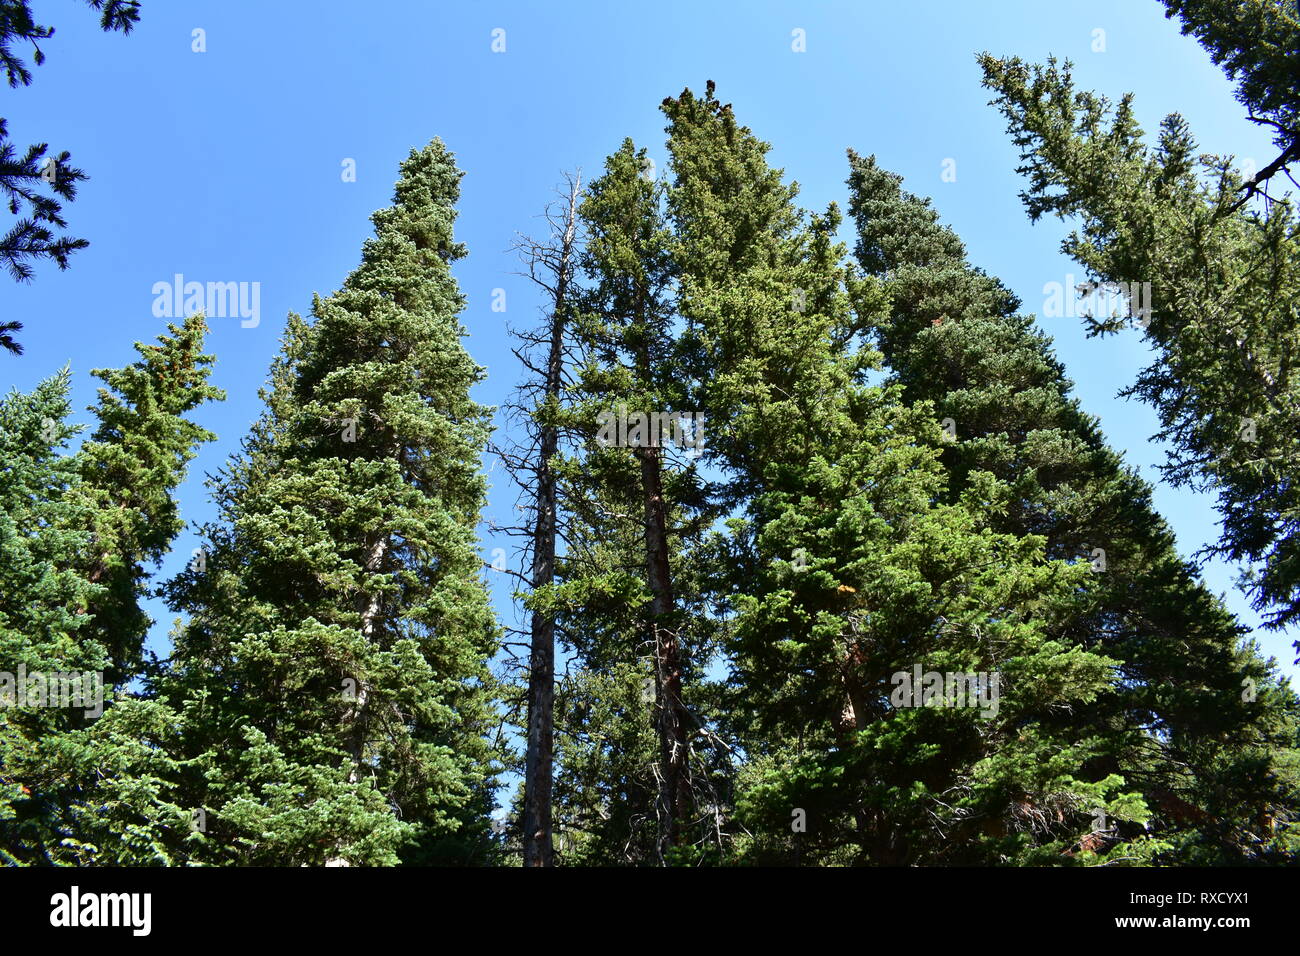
43 601
1258 46
631 487
130 468
126 810
82 527
123 811
23 179
845 568
871 581
1179 725
1215 285
335 658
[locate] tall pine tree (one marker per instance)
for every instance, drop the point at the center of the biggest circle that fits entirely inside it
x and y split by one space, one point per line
1221 284
846 568
1194 721
335 657
82 531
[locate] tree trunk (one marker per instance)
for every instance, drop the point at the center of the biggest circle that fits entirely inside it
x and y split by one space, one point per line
674 780
369 604
539 758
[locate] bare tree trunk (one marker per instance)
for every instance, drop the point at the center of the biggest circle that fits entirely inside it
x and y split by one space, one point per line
540 755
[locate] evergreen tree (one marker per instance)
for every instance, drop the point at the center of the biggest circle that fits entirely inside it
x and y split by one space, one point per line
1221 284
130 468
847 570
631 341
23 179
1180 725
43 602
80 528
334 660
631 488
1258 46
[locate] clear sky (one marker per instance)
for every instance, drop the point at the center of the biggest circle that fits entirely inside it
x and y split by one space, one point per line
226 165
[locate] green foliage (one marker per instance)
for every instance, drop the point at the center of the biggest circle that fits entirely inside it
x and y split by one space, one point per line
845 566
75 530
897 603
42 602
1224 290
339 628
23 178
130 468
953 339
1258 45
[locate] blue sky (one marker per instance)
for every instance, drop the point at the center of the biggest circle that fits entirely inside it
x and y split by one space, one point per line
226 165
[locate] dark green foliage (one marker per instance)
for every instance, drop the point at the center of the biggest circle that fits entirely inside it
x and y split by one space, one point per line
889 598
130 468
334 660
628 602
1258 46
32 237
859 541
846 567
954 340
17 24
75 534
42 602
1224 283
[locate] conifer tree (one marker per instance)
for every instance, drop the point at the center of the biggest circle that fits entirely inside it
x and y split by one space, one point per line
1195 721
1258 46
43 601
90 521
626 251
130 468
1213 282
633 484
335 657
846 571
